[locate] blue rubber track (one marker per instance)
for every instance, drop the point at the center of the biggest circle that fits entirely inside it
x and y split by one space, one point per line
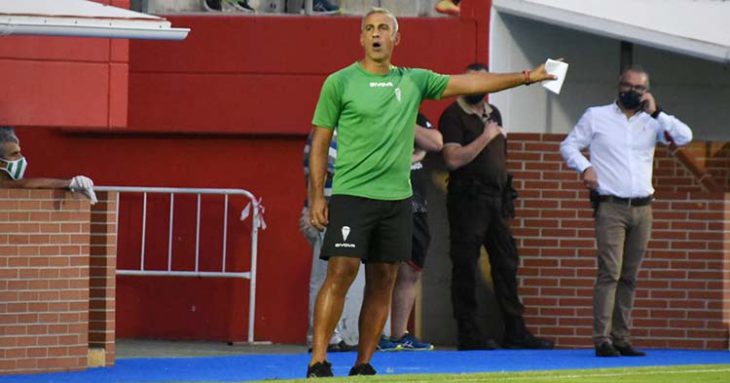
292 366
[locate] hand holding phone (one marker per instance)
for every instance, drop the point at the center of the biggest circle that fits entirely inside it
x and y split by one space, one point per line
648 103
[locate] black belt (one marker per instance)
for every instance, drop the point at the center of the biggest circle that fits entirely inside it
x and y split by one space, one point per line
636 201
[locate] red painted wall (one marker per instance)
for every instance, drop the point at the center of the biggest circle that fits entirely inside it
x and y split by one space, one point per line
162 308
65 82
263 75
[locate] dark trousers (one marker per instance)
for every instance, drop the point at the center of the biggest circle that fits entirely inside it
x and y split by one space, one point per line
476 219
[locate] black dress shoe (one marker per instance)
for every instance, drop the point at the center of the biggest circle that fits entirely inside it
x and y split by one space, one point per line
628 350
606 349
487 344
530 342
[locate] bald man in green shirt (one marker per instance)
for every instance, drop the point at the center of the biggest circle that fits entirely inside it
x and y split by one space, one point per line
374 106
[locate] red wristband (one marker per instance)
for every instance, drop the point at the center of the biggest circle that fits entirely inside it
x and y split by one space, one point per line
527 77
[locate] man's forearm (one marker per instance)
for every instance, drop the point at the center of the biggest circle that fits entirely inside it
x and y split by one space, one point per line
458 156
572 155
475 83
317 175
678 130
318 164
429 139
36 183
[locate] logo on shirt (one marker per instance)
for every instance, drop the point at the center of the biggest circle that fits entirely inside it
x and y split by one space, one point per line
397 94
381 84
345 233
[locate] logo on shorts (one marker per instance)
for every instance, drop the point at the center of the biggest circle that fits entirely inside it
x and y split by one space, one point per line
345 233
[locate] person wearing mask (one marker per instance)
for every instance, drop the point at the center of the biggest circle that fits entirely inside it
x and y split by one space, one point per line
621 138
13 166
480 203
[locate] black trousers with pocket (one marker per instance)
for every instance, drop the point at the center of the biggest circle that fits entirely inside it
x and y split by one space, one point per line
476 219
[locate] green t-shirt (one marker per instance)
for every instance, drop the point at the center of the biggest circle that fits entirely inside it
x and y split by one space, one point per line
375 117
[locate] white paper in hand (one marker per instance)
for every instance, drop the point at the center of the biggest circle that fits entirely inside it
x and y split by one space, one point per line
559 69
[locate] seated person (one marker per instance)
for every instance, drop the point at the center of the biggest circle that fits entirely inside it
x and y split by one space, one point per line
13 166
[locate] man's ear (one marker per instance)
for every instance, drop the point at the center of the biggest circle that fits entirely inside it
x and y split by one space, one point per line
397 38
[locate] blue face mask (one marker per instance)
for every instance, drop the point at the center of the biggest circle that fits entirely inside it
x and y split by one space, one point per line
16 168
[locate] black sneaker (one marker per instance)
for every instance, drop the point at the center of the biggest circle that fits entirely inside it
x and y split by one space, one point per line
324 7
321 369
362 369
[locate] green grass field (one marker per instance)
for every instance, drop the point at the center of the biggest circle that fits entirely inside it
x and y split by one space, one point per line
676 374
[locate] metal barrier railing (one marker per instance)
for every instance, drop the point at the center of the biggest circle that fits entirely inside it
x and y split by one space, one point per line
253 208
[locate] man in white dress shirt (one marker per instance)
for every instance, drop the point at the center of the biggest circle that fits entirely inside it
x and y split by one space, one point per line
621 138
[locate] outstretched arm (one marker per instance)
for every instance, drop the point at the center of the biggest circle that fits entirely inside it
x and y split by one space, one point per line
482 82
80 184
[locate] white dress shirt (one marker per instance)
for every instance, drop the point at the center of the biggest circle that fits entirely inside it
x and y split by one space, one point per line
621 148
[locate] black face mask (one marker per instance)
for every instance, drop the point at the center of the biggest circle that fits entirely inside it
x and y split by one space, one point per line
474 98
631 100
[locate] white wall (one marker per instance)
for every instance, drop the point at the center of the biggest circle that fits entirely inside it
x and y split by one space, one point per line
697 91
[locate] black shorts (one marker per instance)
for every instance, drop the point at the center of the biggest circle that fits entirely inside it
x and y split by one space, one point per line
369 229
421 240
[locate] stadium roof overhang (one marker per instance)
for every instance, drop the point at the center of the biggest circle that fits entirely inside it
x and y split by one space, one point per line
698 28
79 18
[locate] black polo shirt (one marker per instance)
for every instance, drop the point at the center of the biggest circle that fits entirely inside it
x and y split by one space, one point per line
489 167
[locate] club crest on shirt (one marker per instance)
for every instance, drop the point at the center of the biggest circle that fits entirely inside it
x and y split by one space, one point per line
397 94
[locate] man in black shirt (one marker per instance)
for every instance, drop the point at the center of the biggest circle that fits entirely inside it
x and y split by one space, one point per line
479 204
